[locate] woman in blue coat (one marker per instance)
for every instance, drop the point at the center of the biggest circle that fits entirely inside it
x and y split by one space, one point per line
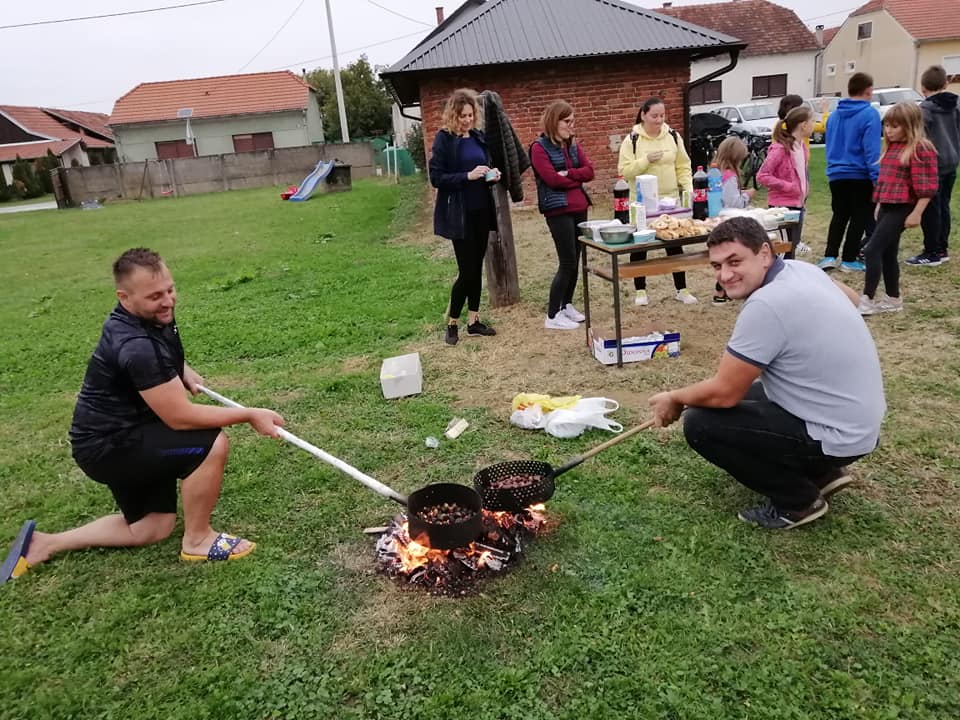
464 213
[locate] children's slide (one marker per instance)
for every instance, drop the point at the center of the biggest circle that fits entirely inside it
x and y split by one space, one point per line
310 182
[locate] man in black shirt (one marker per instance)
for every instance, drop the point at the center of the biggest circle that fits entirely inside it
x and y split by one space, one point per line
135 430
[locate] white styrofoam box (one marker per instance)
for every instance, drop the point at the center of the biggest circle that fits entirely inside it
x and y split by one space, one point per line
401 376
635 347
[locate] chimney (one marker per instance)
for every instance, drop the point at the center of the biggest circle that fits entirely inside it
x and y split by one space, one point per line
439 15
668 4
819 31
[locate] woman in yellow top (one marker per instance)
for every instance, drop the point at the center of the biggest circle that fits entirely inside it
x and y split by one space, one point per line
654 149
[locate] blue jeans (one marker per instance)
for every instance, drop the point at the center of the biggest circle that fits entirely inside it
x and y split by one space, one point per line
936 218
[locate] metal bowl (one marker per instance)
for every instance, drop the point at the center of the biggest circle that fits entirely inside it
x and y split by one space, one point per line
588 228
617 234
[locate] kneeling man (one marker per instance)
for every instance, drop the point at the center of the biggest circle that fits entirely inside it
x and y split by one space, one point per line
798 393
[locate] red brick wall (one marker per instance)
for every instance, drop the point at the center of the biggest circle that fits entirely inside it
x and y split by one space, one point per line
605 93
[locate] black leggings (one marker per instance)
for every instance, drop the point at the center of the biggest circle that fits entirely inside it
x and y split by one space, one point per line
470 251
852 203
563 228
679 278
881 251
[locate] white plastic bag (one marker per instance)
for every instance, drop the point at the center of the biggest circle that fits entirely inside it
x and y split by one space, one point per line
588 412
529 418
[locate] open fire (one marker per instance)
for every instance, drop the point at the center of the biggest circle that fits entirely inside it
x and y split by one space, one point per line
459 572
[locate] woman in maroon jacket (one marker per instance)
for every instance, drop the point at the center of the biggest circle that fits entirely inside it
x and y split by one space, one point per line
561 167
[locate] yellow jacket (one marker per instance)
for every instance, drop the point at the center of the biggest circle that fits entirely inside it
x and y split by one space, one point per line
672 170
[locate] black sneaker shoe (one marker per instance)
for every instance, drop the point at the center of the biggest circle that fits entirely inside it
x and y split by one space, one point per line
944 257
769 516
833 481
924 260
478 328
452 337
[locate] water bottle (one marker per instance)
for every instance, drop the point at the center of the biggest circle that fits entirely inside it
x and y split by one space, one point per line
700 194
621 201
714 191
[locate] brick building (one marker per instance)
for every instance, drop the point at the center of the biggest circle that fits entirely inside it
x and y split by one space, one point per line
604 57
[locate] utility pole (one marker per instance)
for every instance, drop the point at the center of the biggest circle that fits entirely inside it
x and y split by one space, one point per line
344 131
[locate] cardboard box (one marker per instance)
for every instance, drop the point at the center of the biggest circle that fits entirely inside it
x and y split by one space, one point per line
401 376
636 347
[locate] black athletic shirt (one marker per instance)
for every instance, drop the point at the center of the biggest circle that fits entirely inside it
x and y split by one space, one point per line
132 355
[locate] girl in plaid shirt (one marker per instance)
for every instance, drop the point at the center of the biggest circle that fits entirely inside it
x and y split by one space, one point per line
908 179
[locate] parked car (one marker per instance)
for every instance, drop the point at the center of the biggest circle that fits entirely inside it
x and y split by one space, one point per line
821 107
757 118
888 97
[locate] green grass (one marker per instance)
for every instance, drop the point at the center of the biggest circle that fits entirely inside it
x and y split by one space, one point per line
649 600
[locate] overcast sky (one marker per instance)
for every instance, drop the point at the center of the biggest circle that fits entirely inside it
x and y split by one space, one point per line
88 64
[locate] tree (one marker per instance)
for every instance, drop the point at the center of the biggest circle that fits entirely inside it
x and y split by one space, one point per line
25 180
368 105
5 192
43 167
415 146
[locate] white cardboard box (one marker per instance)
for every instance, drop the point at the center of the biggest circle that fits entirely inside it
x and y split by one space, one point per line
635 347
401 376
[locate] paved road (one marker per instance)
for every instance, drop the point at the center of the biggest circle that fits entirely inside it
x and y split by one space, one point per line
49 205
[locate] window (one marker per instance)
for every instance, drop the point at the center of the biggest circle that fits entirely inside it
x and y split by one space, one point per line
951 63
709 92
172 149
850 67
765 86
831 70
253 141
865 31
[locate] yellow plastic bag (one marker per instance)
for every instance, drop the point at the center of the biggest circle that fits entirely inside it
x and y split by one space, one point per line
522 401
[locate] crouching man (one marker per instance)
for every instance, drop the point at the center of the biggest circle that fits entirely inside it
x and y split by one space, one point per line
798 393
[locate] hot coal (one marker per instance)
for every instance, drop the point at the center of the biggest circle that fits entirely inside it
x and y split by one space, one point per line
445 514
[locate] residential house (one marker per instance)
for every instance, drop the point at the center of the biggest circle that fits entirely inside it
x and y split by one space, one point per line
75 137
605 57
894 41
780 57
215 116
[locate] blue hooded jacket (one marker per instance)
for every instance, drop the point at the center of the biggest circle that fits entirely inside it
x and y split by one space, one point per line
853 141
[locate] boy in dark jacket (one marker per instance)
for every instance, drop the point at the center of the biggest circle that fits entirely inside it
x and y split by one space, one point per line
941 122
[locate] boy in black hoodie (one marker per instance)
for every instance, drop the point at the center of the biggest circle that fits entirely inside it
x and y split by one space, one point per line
941 121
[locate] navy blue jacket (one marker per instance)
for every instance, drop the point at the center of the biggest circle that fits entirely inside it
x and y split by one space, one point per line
449 214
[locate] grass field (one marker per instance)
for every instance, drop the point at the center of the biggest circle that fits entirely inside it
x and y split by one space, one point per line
648 600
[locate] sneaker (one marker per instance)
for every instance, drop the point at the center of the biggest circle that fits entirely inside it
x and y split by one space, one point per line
925 260
803 248
641 298
853 266
833 481
685 297
452 337
721 299
944 257
771 517
478 329
889 304
868 306
828 263
559 322
573 314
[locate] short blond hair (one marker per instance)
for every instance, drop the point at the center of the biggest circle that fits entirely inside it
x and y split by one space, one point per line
454 106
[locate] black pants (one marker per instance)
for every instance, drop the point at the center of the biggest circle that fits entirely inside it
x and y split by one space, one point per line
852 202
936 218
794 232
470 251
763 447
563 228
679 278
880 252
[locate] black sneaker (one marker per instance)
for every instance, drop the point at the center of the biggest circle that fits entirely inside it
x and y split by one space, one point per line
925 260
944 257
769 516
478 328
452 337
833 481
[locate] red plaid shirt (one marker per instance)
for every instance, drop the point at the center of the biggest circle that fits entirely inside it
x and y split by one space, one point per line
905 184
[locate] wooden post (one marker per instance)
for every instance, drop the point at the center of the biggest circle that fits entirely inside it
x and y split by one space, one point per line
503 283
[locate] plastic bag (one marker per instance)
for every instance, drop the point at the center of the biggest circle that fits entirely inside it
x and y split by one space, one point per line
547 402
530 417
588 412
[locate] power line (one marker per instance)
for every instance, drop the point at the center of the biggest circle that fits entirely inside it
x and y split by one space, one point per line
344 52
838 12
109 15
274 36
394 12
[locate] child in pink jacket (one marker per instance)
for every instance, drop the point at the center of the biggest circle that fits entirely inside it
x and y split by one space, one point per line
785 172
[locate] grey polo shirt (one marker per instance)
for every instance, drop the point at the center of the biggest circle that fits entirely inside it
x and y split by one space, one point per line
817 357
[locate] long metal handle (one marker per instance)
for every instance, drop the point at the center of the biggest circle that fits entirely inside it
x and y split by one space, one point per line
374 485
602 446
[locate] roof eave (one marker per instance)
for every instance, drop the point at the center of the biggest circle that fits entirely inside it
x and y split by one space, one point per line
165 121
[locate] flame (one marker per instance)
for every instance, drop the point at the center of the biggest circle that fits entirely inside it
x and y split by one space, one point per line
413 555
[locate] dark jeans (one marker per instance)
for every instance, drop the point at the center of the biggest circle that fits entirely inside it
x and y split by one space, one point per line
679 278
880 252
936 218
763 447
563 228
852 203
470 251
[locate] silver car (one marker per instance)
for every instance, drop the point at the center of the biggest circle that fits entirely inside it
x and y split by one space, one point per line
758 118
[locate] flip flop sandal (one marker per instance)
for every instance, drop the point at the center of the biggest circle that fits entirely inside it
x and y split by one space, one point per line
16 563
221 549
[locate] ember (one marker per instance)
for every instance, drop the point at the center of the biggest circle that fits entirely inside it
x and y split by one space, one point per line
459 572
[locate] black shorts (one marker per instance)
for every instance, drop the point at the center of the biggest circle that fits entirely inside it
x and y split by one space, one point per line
142 475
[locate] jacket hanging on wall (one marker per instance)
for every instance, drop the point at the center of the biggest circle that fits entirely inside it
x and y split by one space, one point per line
506 150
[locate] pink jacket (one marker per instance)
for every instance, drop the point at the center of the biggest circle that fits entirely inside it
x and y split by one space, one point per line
781 176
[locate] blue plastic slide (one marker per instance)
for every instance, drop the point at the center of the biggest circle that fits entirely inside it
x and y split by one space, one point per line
311 181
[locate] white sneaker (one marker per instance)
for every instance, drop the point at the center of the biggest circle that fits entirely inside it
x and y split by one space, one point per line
889 304
803 248
641 298
573 314
685 297
559 322
868 306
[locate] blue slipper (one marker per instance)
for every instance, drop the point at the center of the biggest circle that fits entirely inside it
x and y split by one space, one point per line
16 564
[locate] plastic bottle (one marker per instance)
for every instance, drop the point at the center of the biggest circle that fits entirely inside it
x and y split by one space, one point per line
621 201
714 191
700 194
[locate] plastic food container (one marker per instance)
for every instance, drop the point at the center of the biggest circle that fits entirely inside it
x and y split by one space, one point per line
645 236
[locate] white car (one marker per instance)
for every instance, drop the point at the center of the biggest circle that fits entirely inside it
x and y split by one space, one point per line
757 118
886 98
